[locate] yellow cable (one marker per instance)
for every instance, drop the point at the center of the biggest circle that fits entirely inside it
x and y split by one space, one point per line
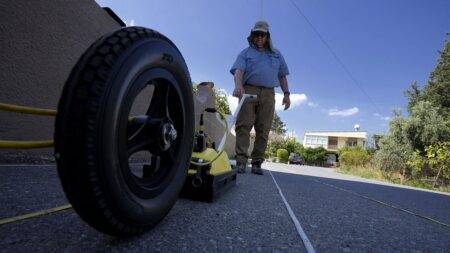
27 109
34 214
26 144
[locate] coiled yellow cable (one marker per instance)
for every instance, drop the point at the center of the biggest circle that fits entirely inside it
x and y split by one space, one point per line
26 110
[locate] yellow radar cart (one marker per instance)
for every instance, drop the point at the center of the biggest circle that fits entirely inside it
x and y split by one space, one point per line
210 171
100 136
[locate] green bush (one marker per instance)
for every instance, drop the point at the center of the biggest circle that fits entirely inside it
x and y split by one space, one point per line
292 146
353 156
314 154
274 145
392 156
282 155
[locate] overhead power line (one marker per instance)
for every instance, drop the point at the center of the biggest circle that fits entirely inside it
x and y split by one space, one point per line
336 57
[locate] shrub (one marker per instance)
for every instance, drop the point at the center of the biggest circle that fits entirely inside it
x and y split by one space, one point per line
274 145
392 156
282 155
293 146
314 154
353 156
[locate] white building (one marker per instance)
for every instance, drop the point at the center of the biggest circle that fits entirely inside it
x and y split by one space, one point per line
334 140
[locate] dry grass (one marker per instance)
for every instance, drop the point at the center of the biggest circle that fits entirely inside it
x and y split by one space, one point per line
370 172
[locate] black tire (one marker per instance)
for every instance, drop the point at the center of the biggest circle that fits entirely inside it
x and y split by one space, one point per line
92 131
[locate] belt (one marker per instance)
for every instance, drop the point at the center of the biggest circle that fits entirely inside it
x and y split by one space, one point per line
258 86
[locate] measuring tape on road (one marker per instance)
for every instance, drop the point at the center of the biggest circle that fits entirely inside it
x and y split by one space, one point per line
34 214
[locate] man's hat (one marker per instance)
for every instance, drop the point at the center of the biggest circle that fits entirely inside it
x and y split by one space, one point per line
261 26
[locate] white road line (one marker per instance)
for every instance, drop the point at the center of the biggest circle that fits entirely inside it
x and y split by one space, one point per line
301 232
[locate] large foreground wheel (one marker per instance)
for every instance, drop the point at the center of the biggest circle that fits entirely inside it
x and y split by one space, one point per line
122 170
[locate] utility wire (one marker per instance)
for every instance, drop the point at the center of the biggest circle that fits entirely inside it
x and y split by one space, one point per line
262 9
336 57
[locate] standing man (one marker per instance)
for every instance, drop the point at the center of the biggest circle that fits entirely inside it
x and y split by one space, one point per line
258 70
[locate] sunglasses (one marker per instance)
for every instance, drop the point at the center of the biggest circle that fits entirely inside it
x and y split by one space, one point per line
259 34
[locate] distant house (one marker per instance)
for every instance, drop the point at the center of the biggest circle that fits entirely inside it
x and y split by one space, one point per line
334 140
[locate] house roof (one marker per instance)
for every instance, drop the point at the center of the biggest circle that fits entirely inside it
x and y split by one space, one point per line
351 134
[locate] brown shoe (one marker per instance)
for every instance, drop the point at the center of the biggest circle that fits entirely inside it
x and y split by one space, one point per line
256 169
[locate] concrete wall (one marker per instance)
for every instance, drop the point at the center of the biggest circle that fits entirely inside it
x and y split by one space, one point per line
40 42
204 98
341 142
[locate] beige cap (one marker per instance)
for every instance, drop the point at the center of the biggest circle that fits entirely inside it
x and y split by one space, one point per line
261 26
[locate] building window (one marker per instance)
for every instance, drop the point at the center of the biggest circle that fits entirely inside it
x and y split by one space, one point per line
316 141
351 142
332 141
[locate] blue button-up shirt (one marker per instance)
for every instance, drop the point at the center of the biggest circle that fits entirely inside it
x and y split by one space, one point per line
261 68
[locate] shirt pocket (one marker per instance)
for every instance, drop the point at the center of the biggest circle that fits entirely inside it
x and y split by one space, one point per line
275 61
252 61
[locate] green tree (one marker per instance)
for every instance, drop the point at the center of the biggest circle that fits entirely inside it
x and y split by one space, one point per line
274 145
278 126
414 95
293 146
439 160
221 101
424 126
392 155
437 90
418 145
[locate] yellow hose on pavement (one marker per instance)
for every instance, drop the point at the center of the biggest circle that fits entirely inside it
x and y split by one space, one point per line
26 144
27 110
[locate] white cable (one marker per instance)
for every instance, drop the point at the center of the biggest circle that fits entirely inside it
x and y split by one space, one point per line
301 232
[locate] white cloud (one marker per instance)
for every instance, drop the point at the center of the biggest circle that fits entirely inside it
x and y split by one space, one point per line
296 100
233 102
129 23
387 118
312 104
343 113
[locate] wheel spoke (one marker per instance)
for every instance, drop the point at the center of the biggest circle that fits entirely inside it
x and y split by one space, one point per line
138 144
149 170
159 106
139 137
168 156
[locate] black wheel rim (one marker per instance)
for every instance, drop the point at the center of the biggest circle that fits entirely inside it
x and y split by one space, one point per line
158 132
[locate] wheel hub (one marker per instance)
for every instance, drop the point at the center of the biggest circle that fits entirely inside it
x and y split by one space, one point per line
168 135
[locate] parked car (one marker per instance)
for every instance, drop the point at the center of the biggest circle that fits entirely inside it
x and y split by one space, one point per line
296 159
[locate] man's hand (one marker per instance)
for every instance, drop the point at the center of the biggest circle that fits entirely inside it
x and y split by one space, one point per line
238 91
286 102
239 87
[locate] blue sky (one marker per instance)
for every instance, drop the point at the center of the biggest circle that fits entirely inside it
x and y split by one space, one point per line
385 44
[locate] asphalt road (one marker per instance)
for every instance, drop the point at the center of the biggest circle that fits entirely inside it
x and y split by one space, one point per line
338 213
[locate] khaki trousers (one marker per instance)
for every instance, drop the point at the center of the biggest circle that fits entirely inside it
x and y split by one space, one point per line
256 113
